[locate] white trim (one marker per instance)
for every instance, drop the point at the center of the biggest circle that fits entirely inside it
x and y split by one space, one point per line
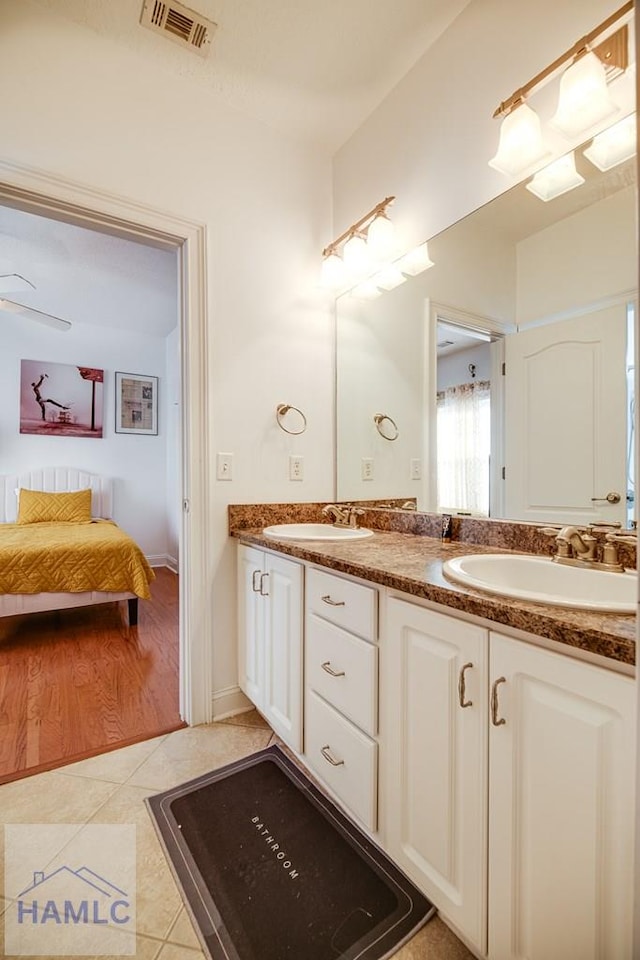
229 702
40 192
162 560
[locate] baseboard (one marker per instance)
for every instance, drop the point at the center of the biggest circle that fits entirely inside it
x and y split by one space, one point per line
163 560
228 702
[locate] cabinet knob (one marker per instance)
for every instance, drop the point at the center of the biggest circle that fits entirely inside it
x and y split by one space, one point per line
332 603
329 669
326 753
461 687
494 703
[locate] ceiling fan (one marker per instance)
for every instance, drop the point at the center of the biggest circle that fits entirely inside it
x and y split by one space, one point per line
15 282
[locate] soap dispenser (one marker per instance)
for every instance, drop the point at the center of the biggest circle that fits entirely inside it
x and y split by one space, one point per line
447 524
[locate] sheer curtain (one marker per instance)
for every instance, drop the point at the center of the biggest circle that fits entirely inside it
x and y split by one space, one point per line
464 447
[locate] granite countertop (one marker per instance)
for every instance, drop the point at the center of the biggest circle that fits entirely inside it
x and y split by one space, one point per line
413 564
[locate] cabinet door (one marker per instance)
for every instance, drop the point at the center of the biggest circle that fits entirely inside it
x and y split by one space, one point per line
561 807
282 693
433 700
251 623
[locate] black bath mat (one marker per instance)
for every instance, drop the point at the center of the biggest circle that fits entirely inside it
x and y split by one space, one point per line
272 870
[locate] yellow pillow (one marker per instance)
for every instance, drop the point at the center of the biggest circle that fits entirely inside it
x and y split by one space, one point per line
36 506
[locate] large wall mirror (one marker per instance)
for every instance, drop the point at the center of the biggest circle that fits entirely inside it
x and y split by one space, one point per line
500 381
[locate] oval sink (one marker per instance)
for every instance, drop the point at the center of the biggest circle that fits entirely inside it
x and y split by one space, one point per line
543 581
315 531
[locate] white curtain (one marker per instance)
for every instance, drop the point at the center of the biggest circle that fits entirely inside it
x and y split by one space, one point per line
464 447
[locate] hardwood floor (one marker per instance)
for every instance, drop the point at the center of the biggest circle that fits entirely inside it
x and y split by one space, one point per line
75 683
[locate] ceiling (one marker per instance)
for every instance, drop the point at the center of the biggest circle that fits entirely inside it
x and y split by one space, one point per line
314 69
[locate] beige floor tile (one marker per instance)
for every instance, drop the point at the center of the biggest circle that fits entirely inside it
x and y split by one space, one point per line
435 941
183 933
172 951
115 766
193 751
251 718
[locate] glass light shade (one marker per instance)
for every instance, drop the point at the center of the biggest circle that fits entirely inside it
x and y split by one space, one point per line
415 261
333 275
367 290
389 277
557 178
381 238
521 143
614 145
356 255
584 97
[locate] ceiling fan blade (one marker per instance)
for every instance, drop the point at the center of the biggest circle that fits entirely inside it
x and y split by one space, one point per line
10 306
14 282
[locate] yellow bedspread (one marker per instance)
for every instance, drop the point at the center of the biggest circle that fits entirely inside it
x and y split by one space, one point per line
71 558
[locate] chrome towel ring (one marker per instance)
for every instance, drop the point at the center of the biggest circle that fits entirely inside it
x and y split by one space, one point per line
386 427
282 410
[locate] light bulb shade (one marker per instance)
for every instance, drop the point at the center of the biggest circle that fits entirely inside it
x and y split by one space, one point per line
555 179
614 145
389 277
521 144
415 261
333 275
367 290
355 255
381 238
584 98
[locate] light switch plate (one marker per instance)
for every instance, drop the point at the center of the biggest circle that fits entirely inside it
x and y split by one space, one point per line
366 469
415 469
224 466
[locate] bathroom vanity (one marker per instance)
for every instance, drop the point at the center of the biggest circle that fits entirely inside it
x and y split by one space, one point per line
486 744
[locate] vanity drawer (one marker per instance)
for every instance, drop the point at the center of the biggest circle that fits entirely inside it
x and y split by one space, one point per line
343 669
353 774
348 604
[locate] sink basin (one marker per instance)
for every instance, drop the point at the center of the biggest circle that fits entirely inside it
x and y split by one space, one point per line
315 531
543 581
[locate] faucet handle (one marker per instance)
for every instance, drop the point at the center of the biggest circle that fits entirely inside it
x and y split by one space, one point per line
550 531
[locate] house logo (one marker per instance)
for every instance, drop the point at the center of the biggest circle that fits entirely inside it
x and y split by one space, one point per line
71 890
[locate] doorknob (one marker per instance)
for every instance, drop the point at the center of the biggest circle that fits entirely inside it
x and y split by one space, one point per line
611 497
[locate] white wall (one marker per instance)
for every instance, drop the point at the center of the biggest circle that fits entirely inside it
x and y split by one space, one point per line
453 368
136 463
173 467
85 109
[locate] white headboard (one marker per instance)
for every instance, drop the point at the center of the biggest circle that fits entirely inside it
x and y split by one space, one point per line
55 480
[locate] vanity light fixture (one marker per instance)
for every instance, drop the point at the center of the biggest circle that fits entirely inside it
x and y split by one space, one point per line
354 253
367 290
389 277
415 261
556 178
614 145
584 99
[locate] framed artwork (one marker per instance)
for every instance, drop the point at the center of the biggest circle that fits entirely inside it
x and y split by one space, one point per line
61 399
136 404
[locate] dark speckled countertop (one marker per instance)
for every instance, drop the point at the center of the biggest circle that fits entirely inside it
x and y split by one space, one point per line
413 564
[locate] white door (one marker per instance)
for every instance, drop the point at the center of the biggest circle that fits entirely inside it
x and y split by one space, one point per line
251 610
433 693
282 689
566 419
561 815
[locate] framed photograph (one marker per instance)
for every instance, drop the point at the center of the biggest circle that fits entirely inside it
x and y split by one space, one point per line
136 404
61 399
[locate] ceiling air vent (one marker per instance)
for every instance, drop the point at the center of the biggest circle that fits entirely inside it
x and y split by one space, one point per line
180 24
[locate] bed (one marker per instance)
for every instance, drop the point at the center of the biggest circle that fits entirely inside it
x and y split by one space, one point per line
52 565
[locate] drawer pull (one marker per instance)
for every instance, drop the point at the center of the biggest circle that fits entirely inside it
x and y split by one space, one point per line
494 703
329 669
333 603
326 753
256 573
461 687
263 593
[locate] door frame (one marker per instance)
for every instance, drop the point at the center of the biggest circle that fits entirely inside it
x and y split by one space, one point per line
40 192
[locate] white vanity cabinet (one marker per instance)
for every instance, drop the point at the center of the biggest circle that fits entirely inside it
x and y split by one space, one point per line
341 690
561 773
270 624
478 727
433 690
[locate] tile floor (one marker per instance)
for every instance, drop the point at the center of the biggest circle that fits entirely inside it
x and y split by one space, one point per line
111 789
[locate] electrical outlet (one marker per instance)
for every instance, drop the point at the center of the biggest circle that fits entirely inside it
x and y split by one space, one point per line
224 466
296 467
366 472
415 469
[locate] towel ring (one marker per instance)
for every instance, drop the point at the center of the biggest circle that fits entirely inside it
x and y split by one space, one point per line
282 410
379 419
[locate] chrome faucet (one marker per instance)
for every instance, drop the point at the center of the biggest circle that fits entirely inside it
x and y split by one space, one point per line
346 516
